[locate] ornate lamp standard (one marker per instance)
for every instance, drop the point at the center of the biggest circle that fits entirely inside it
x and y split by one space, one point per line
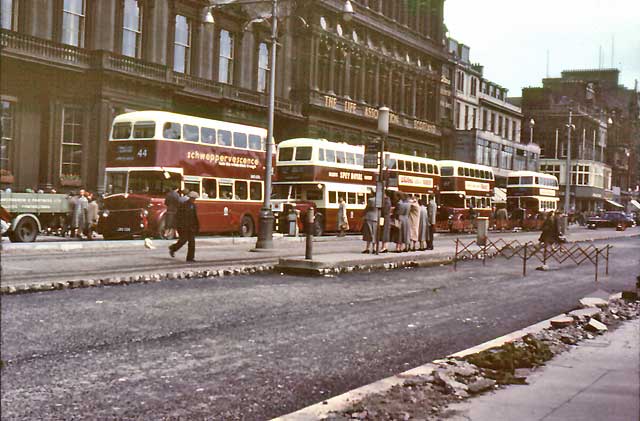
265 230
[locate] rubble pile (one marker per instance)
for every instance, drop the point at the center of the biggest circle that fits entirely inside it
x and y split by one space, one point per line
425 397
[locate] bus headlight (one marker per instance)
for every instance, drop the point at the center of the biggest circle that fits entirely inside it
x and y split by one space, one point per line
144 213
105 213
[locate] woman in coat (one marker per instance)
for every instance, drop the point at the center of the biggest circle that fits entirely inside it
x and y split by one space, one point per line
370 225
549 234
414 222
93 211
79 222
343 221
385 232
404 235
424 226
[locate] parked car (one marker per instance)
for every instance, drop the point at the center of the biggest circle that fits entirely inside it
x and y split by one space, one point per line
613 219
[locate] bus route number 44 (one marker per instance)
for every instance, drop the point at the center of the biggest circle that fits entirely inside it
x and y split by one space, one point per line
142 153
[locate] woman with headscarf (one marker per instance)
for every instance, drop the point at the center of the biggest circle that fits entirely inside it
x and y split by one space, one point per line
414 222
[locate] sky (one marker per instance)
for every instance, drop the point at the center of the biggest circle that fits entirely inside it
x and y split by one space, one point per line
510 38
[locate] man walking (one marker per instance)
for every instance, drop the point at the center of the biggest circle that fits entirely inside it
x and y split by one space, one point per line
171 201
188 226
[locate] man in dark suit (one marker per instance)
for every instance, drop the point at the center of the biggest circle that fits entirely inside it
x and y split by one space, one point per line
188 226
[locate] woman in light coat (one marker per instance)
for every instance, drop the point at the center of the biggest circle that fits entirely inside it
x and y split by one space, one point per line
404 236
423 231
370 225
342 222
414 221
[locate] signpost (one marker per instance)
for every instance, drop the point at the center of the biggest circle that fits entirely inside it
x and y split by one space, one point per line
383 128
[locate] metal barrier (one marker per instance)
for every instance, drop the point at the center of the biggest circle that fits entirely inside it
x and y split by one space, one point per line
542 252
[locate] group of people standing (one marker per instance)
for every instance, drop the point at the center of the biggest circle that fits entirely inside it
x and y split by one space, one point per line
84 212
405 220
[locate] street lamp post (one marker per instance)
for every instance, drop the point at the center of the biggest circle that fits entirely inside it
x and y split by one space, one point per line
383 128
532 123
567 190
265 227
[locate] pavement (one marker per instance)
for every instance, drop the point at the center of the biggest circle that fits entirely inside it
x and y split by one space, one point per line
597 380
27 267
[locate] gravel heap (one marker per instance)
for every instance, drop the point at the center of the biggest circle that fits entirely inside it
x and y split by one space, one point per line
426 397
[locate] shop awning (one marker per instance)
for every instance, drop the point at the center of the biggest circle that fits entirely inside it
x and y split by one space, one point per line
635 203
612 203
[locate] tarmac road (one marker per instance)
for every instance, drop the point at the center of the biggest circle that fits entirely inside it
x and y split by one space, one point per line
258 347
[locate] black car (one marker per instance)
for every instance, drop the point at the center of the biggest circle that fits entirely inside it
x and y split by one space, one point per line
612 219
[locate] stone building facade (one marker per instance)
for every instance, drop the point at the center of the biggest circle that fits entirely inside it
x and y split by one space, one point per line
70 66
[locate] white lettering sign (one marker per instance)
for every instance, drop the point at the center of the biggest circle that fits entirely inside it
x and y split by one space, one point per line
476 185
547 192
409 180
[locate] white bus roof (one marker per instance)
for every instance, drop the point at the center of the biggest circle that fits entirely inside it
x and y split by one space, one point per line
530 174
413 158
165 116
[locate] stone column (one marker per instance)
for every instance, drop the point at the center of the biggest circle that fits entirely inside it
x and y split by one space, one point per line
158 31
389 93
376 88
403 100
347 74
316 63
414 96
37 18
332 68
104 26
103 119
363 78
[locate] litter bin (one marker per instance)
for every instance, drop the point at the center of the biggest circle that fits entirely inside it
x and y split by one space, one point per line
483 230
292 222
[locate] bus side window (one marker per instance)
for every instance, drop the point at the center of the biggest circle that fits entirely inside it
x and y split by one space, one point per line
320 154
330 155
351 158
333 197
192 186
255 190
224 138
467 173
340 157
255 142
429 169
144 130
240 140
423 168
400 165
171 131
208 135
359 159
416 166
225 191
285 154
460 171
241 190
351 198
191 133
209 188
121 131
361 199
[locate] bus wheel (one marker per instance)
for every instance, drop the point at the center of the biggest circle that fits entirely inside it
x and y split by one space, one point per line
246 227
26 231
318 226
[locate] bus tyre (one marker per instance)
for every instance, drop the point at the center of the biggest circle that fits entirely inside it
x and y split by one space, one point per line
246 227
318 226
26 231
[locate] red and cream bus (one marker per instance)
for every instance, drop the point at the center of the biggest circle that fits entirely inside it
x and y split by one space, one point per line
463 186
317 173
533 194
413 175
150 152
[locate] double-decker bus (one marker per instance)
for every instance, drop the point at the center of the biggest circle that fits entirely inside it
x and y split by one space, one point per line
531 194
413 175
150 152
463 186
317 173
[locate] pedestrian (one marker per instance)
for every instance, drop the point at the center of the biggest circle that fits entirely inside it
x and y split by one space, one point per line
188 226
404 238
370 225
414 222
423 231
343 221
93 213
80 214
385 229
472 217
433 211
171 201
501 219
549 235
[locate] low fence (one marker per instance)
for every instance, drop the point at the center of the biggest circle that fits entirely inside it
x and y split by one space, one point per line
543 253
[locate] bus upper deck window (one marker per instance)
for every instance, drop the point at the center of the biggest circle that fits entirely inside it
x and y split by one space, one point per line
171 131
240 140
224 138
208 135
526 180
435 169
285 154
330 155
341 159
303 153
446 171
144 130
191 133
320 154
255 142
460 171
121 131
400 165
424 168
351 158
416 166
359 159
467 173
333 197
